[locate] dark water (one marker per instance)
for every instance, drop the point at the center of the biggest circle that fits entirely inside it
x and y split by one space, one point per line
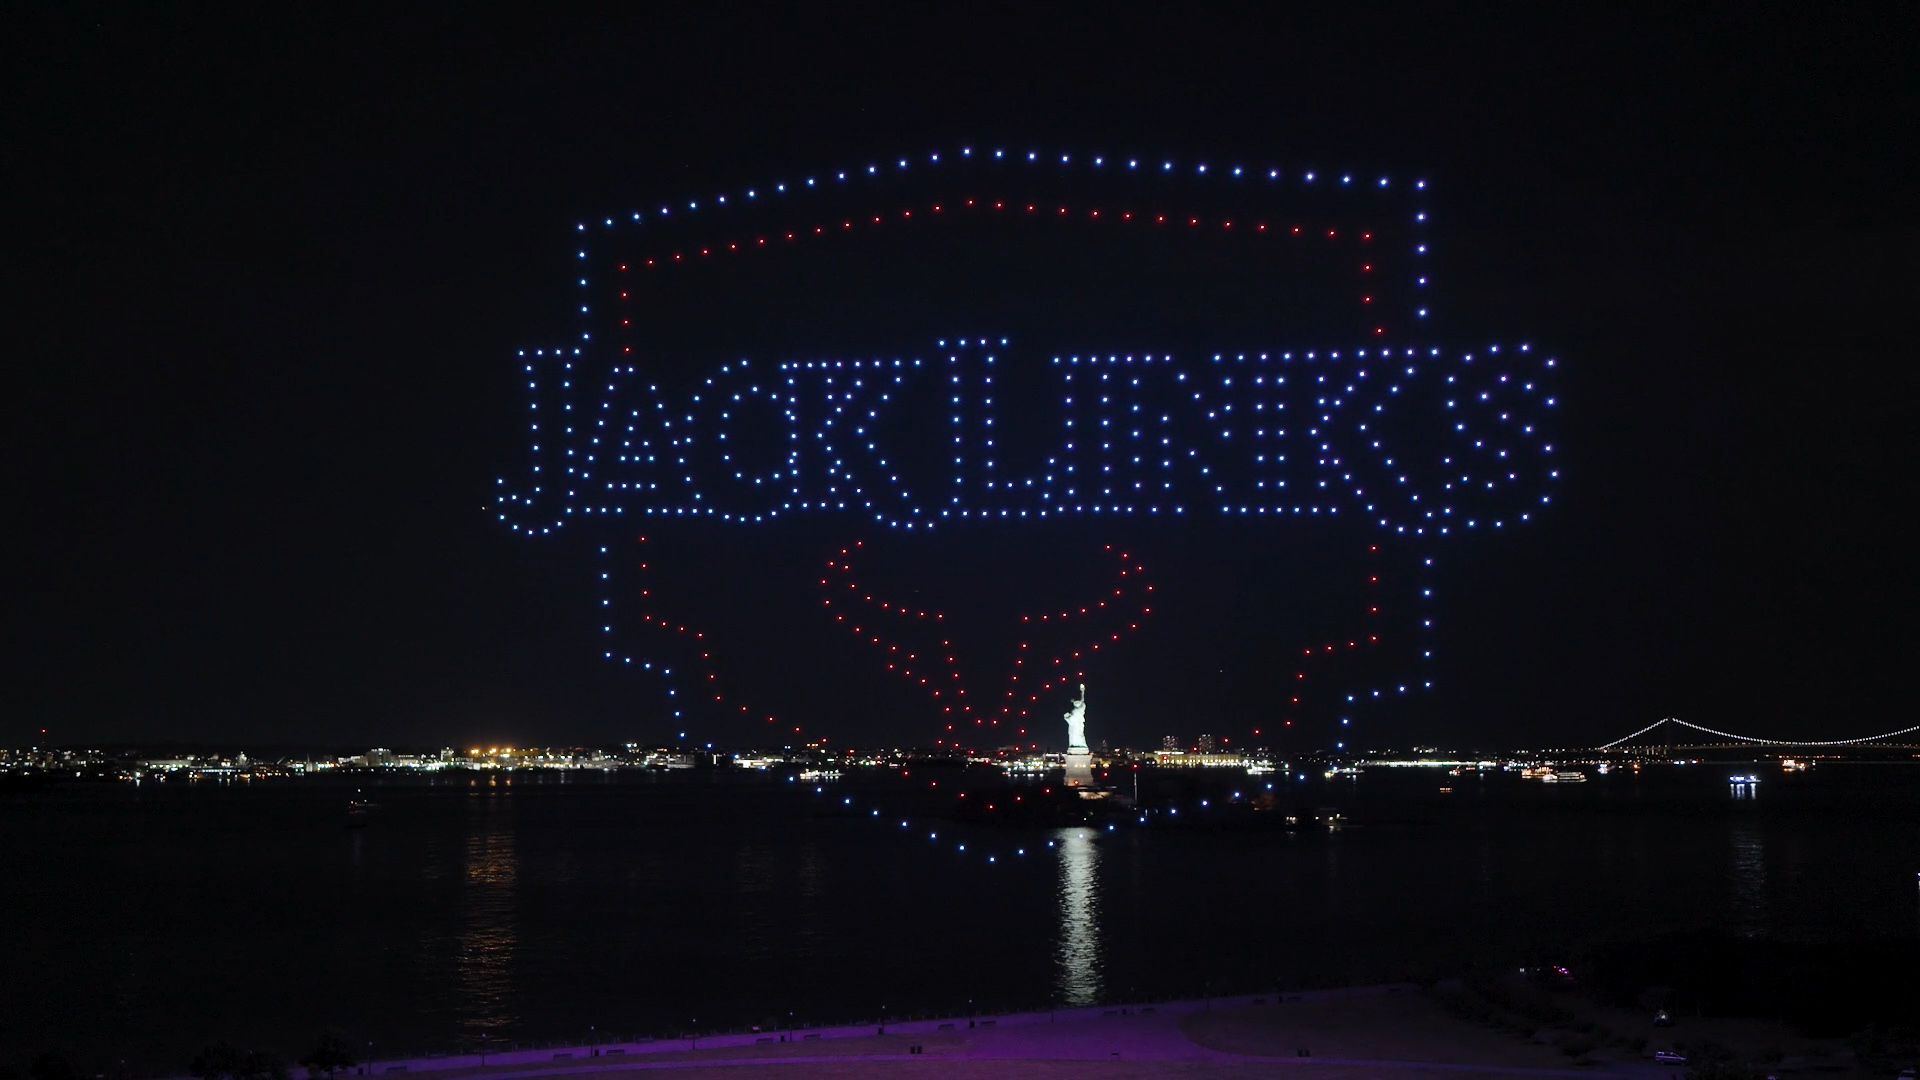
138 924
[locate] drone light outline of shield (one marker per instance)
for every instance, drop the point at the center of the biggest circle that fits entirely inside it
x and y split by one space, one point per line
1420 443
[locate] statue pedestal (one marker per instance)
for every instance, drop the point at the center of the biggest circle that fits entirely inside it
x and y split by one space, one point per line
1079 768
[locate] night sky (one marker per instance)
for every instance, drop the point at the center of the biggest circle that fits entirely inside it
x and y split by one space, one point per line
268 276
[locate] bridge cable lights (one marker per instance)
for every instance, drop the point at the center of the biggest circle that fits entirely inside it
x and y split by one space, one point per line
1757 739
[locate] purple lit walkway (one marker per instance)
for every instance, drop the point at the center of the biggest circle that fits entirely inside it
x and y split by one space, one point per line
1373 1032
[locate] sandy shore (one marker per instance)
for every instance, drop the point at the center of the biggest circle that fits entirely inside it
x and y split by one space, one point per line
1386 1032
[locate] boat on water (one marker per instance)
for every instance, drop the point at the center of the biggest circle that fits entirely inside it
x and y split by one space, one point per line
1565 776
358 811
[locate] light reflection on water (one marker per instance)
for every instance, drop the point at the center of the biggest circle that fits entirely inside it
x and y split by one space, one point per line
755 899
643 903
812 935
483 958
1748 872
1078 952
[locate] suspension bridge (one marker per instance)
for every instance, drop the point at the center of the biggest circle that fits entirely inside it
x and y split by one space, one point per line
1659 736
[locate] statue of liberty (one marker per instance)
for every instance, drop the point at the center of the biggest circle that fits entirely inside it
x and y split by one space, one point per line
1077 724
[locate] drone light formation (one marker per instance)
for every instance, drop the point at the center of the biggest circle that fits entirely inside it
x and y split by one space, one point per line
1411 442
886 625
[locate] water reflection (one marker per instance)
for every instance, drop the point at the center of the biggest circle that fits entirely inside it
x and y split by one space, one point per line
757 900
812 934
1078 953
1748 872
483 960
